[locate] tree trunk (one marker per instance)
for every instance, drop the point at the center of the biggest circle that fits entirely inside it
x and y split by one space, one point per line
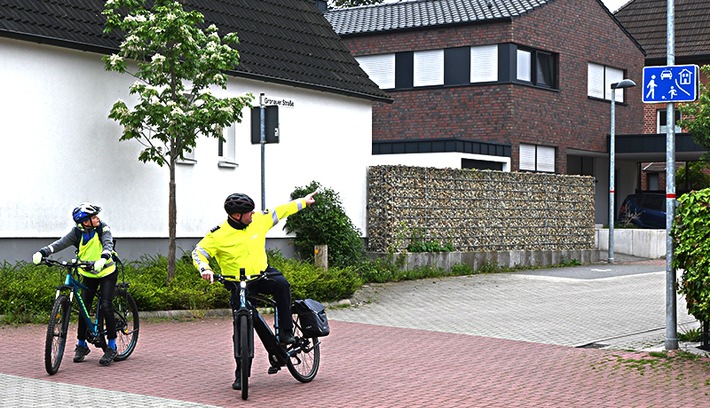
172 223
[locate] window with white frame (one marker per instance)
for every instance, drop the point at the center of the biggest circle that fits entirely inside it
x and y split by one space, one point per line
226 149
537 158
662 120
428 68
380 69
484 63
599 80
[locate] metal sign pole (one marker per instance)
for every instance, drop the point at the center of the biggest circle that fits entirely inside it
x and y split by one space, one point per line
612 152
262 141
671 342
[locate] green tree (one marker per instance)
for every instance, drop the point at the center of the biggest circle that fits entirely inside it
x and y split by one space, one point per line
176 66
696 115
325 222
691 246
693 176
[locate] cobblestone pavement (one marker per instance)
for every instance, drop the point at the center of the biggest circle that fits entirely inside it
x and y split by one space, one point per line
622 306
502 340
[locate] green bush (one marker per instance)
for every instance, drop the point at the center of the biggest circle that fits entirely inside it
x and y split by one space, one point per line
691 251
187 290
308 281
325 223
27 291
419 244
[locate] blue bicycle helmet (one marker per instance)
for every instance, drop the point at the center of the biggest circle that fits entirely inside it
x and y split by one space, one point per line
85 211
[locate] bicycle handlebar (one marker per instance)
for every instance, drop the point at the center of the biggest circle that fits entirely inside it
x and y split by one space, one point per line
73 264
248 278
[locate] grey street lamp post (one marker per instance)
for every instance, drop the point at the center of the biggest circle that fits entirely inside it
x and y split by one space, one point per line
625 83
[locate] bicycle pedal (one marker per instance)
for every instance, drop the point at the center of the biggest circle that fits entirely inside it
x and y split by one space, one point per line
273 370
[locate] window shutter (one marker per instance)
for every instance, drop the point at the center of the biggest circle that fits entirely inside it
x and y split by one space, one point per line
546 159
484 63
527 157
595 80
429 68
380 69
613 75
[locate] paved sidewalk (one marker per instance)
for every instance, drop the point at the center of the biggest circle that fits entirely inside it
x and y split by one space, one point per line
501 340
620 306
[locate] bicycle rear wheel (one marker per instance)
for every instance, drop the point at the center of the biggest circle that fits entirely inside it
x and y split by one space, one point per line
57 334
244 353
305 355
127 324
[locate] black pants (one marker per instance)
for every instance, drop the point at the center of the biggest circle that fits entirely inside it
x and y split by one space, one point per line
106 288
279 288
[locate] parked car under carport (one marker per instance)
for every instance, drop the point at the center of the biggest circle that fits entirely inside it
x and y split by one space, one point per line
644 209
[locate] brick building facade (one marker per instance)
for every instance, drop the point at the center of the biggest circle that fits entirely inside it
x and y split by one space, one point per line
563 117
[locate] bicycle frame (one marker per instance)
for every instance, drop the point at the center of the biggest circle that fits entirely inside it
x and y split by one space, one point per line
74 285
277 353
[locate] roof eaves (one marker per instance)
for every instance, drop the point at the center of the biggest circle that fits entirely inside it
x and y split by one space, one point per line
53 41
303 84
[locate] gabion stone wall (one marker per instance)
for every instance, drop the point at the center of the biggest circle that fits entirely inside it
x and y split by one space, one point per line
478 210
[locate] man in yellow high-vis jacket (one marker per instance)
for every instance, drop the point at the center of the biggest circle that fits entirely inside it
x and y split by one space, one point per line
240 242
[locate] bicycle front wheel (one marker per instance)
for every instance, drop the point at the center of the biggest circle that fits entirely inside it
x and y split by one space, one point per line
57 334
127 324
244 353
304 355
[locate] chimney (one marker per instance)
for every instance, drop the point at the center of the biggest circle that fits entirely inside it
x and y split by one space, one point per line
322 5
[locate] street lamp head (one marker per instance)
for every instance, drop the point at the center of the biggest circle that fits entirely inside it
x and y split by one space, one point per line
624 83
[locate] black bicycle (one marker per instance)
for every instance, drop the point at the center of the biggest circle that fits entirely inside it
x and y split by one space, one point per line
302 357
124 307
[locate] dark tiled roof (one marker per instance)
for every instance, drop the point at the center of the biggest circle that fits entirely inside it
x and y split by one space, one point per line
426 13
646 20
285 41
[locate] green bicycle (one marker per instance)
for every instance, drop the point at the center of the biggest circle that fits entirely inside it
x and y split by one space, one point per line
124 306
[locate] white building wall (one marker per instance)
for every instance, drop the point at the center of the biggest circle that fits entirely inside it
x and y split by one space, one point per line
60 148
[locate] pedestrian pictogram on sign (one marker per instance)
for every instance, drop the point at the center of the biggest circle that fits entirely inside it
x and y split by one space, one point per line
670 83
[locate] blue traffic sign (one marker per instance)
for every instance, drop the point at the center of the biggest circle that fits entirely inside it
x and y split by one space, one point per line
670 83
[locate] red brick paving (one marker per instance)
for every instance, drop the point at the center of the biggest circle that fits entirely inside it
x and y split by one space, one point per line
372 366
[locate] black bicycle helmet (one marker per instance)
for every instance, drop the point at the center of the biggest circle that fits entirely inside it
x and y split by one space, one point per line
238 203
84 211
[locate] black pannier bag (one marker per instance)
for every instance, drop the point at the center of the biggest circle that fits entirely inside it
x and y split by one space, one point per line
314 322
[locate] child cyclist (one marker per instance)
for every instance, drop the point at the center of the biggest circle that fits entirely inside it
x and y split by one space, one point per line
94 243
